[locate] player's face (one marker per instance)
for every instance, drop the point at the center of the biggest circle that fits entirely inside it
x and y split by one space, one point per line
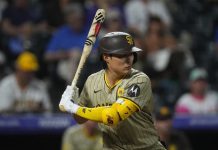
120 64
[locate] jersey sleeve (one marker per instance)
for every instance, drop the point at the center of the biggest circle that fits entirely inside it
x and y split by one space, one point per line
139 91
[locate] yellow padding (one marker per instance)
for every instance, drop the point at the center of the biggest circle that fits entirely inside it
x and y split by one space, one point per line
125 107
94 114
120 110
110 116
106 115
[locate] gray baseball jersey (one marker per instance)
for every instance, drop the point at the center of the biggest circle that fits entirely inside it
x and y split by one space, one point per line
135 132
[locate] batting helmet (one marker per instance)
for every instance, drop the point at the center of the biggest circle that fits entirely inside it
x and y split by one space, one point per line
117 43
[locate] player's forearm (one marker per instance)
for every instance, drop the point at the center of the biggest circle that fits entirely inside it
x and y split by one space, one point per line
94 114
120 110
106 115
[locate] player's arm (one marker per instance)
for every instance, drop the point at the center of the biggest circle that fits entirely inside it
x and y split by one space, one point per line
119 111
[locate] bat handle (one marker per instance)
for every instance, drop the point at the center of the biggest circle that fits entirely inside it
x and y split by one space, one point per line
74 82
73 85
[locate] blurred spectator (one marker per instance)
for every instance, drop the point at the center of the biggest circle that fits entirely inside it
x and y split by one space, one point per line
3 5
3 67
54 12
172 138
91 7
64 50
137 13
200 99
67 42
178 61
166 62
113 8
21 41
113 22
21 92
153 43
195 18
21 20
19 13
212 64
82 137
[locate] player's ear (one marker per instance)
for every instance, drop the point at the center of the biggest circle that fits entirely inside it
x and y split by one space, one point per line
106 57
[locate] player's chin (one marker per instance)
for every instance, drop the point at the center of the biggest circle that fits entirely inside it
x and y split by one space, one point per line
126 70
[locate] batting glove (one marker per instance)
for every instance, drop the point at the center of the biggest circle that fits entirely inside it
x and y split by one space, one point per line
75 94
66 103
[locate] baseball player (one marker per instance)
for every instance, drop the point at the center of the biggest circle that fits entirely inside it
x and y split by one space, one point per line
88 133
118 97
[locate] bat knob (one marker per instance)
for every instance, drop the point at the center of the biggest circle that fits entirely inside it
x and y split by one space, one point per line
61 107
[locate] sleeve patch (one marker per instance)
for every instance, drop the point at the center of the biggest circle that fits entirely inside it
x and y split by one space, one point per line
133 90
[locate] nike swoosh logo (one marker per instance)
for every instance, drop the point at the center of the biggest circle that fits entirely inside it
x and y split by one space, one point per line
96 91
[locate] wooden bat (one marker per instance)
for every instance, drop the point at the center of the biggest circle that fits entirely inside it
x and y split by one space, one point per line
91 38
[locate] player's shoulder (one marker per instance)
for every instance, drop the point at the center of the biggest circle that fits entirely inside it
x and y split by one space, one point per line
96 75
138 76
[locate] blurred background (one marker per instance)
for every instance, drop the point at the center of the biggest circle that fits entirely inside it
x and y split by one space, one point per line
41 44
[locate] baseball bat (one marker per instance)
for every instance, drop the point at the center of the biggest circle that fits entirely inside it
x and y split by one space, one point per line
91 38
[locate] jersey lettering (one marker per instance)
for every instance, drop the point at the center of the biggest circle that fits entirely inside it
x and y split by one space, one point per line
106 104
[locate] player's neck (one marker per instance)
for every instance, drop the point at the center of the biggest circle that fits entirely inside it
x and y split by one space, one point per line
112 78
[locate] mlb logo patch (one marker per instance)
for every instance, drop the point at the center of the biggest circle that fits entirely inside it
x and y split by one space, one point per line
133 90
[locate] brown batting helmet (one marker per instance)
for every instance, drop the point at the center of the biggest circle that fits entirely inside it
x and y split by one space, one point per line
117 43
